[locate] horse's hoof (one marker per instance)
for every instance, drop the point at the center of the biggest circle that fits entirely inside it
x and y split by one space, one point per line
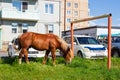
20 61
54 64
27 62
43 62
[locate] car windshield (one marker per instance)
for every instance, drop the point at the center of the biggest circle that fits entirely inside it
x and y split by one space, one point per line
117 39
87 40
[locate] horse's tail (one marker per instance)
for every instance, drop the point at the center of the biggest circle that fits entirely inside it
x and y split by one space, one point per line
19 43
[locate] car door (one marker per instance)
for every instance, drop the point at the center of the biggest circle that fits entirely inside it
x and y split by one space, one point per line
76 47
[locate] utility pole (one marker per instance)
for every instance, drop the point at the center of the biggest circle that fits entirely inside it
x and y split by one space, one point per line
64 15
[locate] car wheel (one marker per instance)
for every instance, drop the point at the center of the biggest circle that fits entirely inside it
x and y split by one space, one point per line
10 51
79 54
115 54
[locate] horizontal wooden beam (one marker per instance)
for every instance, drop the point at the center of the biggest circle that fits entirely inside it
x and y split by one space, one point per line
92 18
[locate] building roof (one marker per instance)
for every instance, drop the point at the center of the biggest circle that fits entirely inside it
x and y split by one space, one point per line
91 27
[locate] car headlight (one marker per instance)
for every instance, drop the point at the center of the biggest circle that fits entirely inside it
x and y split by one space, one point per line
86 50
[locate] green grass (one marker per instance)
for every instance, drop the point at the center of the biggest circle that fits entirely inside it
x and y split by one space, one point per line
79 69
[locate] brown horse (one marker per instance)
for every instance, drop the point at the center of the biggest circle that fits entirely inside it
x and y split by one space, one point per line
48 42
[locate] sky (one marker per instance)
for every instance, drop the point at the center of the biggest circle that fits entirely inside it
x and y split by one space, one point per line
100 7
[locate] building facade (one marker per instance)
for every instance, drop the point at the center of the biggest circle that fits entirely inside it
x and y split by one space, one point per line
20 16
74 10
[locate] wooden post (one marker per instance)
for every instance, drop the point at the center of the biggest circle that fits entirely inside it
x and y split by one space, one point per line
109 41
72 38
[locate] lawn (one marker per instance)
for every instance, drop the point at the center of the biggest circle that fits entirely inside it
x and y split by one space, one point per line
79 69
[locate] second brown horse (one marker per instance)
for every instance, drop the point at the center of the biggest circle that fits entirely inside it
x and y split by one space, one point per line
48 42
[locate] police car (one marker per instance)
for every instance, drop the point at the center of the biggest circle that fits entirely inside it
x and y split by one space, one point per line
87 46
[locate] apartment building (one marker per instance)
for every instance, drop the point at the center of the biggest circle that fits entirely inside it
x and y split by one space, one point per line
74 10
20 16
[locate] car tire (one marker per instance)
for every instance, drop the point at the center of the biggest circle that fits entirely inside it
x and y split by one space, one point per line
10 51
79 54
115 53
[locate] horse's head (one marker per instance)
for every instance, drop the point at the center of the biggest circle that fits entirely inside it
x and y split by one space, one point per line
68 55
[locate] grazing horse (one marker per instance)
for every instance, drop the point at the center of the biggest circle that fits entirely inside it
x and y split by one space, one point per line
48 42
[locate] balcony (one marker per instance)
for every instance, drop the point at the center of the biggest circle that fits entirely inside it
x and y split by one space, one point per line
13 14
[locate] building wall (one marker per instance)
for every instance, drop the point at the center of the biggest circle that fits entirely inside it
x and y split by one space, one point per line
7 29
42 25
104 31
0 38
49 19
82 10
89 32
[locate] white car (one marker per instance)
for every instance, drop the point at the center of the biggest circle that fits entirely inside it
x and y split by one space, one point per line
12 52
87 46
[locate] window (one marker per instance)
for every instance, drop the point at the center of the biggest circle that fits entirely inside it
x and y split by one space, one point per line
49 8
25 27
46 8
87 40
75 13
24 6
17 4
75 19
68 4
68 20
19 28
117 39
49 28
68 12
14 27
68 40
76 5
75 27
68 27
20 5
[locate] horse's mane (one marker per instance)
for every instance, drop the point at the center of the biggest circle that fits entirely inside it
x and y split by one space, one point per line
64 45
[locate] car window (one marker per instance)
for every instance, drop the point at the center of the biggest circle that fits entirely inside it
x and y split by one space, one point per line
87 40
68 40
15 41
117 39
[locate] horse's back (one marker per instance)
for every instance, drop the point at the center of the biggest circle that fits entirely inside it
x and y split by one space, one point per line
39 41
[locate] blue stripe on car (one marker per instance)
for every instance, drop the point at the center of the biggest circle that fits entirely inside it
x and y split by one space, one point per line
90 48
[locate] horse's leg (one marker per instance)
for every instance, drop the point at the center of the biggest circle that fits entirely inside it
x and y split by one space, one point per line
20 57
46 56
25 52
53 55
